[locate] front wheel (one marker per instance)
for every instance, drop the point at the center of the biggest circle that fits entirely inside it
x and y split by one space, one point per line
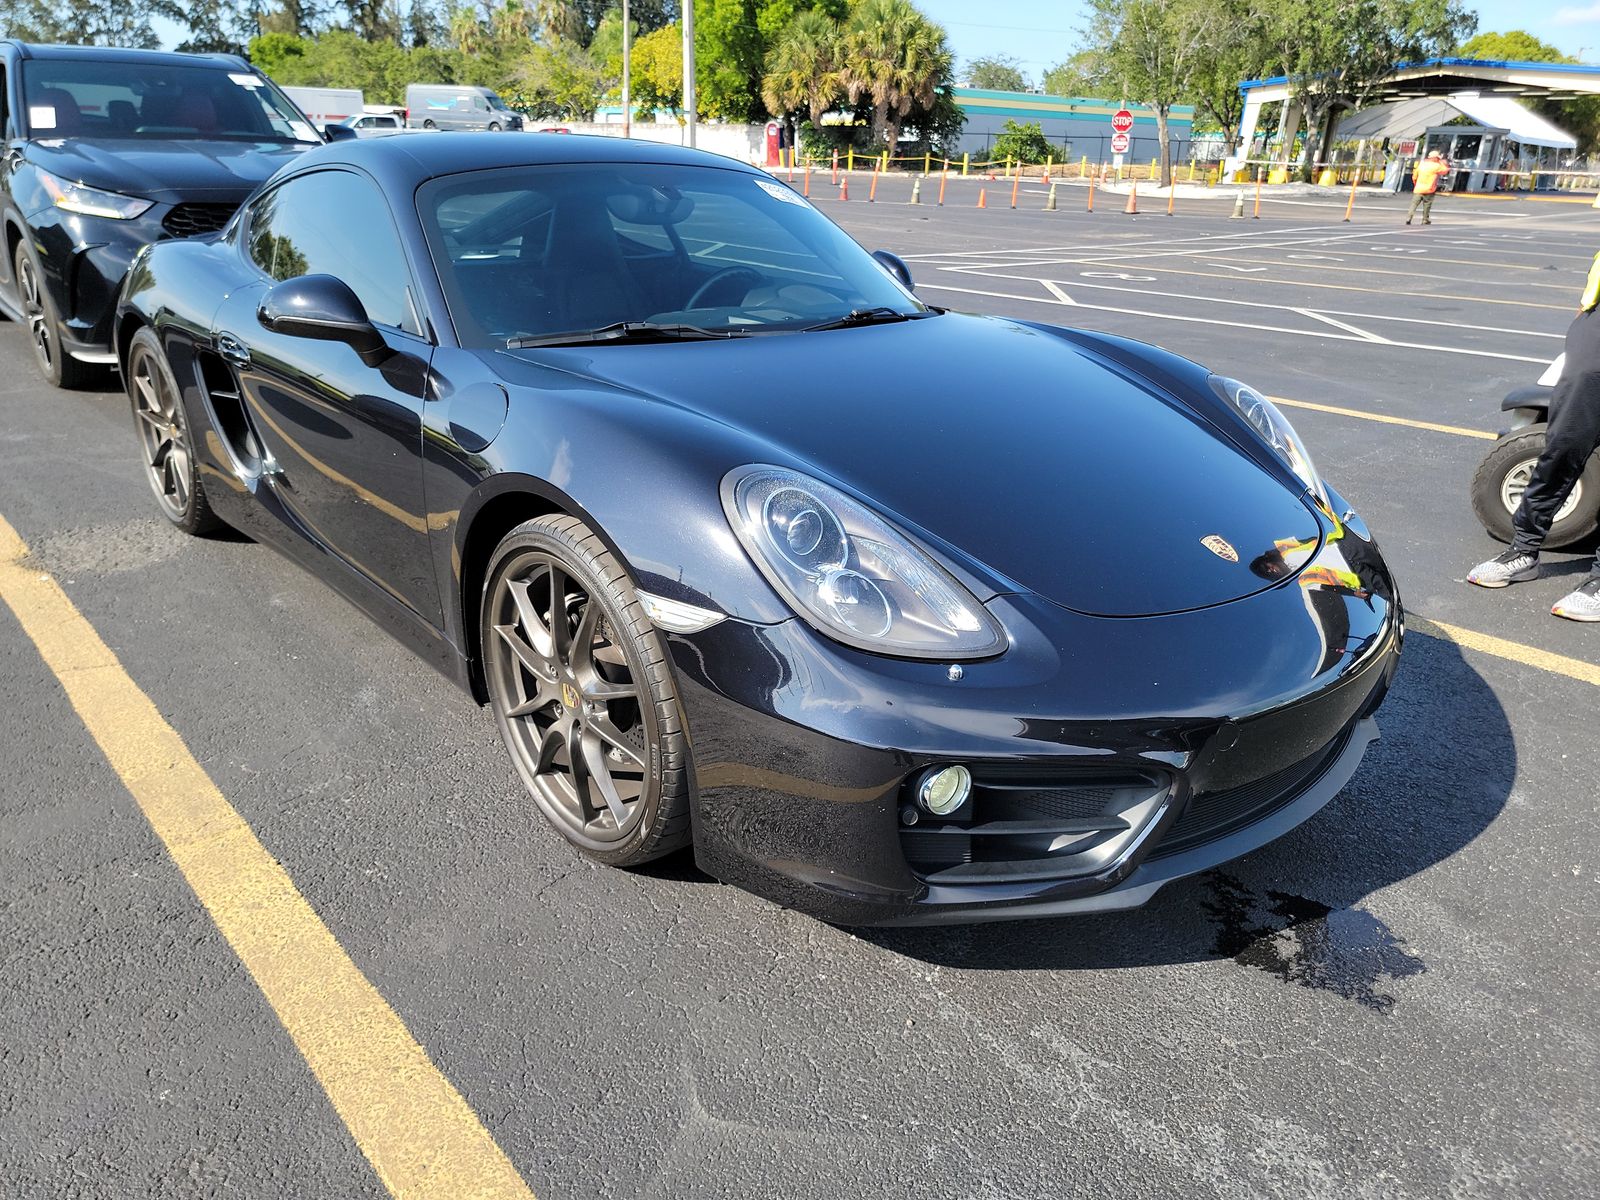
1503 477
494 126
44 324
583 693
165 440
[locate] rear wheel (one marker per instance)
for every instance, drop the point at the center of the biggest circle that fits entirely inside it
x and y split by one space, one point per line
44 324
429 125
583 693
164 437
1503 477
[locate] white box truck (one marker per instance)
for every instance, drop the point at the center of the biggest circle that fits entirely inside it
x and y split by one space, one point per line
327 106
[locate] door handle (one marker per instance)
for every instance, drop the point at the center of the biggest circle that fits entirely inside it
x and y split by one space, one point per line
232 349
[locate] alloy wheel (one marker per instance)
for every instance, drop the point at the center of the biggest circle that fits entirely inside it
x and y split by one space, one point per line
1516 483
38 319
161 433
572 709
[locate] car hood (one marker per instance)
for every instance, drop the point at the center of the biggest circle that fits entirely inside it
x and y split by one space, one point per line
162 169
1034 456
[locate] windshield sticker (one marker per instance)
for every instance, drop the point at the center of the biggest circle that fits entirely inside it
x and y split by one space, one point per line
303 131
244 80
779 191
42 116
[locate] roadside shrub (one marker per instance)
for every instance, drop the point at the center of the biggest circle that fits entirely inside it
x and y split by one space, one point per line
1021 142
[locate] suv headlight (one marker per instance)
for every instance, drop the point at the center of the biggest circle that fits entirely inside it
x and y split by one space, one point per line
1274 429
92 202
850 573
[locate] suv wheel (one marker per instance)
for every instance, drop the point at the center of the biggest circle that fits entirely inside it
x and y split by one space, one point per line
44 325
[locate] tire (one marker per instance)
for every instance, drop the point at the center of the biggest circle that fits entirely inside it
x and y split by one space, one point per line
166 442
494 126
544 698
1502 476
429 125
44 324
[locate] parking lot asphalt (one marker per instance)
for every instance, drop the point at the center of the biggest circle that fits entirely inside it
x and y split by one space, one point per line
1396 1000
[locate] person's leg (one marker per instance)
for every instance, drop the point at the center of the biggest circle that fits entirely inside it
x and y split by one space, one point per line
1416 199
1570 438
1427 208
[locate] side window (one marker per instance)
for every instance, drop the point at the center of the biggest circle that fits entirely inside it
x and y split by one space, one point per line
5 100
335 223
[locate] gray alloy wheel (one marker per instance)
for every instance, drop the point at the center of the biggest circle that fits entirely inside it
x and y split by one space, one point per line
582 691
1516 481
494 126
164 438
44 327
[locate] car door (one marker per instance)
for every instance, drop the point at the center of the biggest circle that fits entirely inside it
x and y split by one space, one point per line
343 440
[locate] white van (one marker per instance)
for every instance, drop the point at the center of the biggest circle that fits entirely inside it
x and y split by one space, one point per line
457 106
327 106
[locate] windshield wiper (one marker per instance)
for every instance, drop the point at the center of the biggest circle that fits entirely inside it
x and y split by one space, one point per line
880 315
622 331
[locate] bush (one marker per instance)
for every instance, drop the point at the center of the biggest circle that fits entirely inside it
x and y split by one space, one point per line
1023 143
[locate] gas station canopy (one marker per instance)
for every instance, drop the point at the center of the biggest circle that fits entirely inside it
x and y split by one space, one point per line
1501 113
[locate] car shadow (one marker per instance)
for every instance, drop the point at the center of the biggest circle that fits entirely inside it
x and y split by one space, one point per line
1441 773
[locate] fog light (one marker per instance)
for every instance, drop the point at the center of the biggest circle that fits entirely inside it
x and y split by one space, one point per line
943 791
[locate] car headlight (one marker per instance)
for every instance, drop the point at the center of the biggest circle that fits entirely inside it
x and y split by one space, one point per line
850 573
1274 429
92 202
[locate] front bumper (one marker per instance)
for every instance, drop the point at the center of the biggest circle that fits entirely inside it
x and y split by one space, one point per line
804 752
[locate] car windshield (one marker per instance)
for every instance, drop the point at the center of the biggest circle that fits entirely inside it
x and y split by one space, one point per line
530 253
109 99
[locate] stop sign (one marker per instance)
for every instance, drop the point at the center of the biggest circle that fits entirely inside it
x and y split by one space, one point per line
1119 143
1122 121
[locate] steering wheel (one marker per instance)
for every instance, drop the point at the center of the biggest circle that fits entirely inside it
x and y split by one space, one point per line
724 276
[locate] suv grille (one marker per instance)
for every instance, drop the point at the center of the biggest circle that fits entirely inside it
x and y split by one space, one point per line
1211 815
186 220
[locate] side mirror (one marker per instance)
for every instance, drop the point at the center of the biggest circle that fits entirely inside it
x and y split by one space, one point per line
895 265
324 308
337 133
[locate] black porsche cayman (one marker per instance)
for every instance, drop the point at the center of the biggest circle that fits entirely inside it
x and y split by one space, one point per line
893 614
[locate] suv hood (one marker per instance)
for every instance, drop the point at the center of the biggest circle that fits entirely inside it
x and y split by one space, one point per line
1029 453
161 169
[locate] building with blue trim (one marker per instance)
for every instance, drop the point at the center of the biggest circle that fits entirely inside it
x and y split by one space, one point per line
1078 125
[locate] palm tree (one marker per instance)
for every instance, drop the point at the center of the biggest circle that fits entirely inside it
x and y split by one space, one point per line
897 58
803 67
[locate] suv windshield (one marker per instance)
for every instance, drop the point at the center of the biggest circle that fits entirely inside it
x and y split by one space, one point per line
526 253
100 99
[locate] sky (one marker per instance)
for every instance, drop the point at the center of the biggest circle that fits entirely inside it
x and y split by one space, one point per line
1041 33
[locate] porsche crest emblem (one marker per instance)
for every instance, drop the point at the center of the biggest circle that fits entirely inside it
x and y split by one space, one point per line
1220 546
569 695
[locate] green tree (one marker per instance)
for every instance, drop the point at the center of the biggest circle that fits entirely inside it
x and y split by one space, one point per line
1086 73
895 59
1239 51
1024 143
81 22
802 68
1153 49
1580 117
214 26
997 73
561 80
658 70
1336 54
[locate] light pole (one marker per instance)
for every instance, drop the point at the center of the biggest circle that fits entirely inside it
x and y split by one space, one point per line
688 65
627 74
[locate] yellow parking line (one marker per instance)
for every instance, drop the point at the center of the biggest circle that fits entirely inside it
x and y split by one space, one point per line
1385 419
1529 656
416 1130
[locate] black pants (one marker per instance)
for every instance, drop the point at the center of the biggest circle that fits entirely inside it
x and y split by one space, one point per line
1573 435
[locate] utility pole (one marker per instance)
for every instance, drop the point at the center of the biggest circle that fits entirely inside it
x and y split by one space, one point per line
688 65
627 74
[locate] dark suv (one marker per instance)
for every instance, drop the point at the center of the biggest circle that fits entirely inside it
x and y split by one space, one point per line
108 150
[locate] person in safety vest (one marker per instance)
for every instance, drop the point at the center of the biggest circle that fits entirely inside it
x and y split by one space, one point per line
1425 178
1572 436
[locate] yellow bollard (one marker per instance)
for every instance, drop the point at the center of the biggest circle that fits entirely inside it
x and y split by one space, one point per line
966 163
1191 170
850 159
1260 176
1083 166
1152 168
885 161
927 162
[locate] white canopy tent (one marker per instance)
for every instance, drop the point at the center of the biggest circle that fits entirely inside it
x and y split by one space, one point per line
1481 134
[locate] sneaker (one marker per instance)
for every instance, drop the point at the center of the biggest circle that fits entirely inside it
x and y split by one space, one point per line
1514 566
1581 605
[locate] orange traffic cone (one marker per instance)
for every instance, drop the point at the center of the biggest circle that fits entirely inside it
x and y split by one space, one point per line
983 198
1133 199
844 189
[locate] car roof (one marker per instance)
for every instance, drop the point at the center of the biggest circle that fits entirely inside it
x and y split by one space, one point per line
171 58
426 155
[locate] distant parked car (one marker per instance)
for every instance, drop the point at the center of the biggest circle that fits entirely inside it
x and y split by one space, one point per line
439 106
374 124
554 129
109 150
